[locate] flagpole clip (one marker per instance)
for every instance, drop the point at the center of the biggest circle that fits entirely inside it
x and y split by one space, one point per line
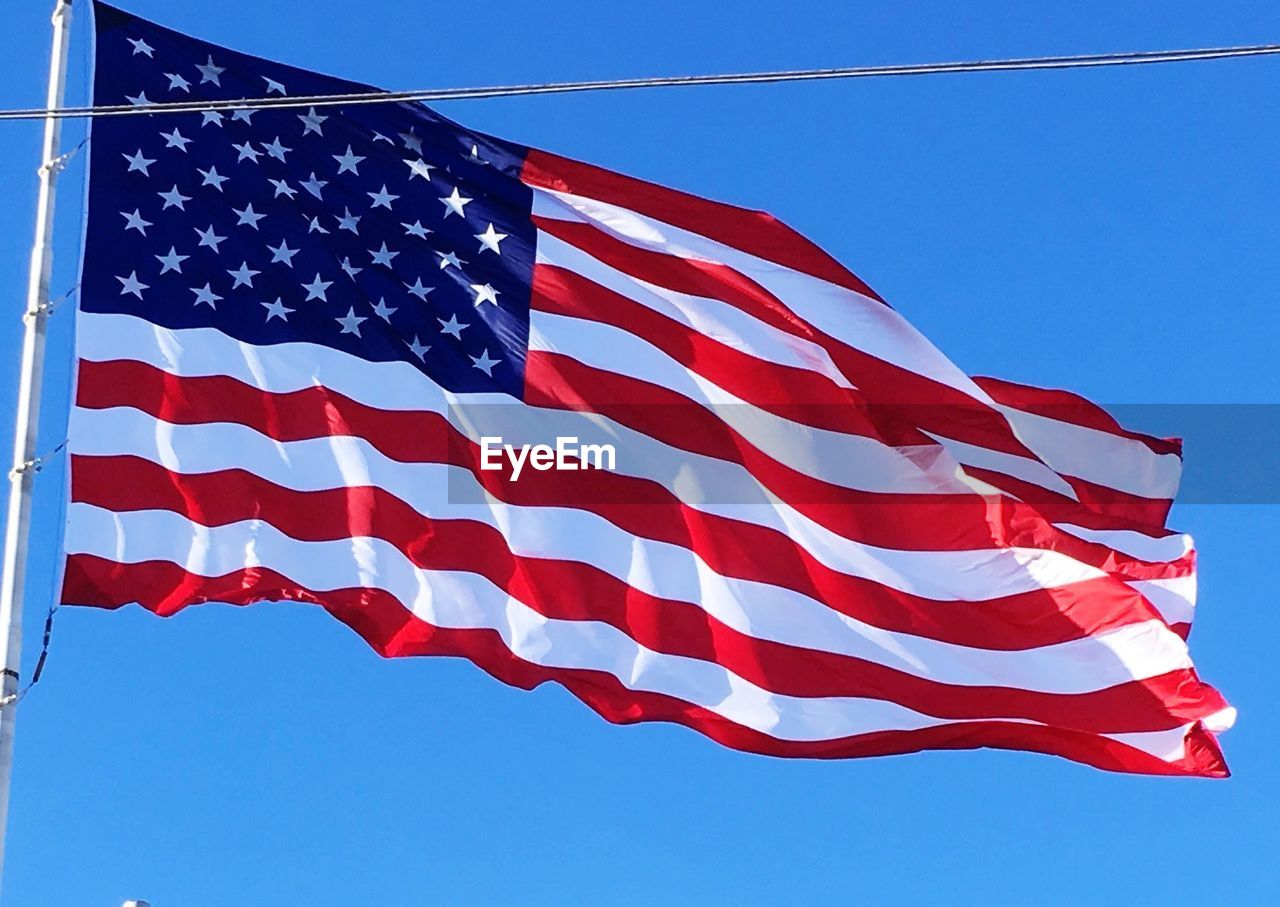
44 309
35 464
47 308
57 165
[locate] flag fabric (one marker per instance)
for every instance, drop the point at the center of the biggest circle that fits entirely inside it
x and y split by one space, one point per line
820 538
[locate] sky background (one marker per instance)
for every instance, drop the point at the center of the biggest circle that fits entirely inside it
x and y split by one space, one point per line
1112 231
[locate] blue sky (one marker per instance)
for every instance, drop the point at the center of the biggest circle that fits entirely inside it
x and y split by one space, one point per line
1108 231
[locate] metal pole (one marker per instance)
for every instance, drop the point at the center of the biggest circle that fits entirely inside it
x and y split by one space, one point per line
27 417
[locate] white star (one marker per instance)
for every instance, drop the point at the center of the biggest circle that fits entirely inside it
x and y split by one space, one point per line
382 310
206 296
450 258
315 289
314 185
244 114
379 137
419 290
351 322
416 229
484 293
454 203
277 309
348 221
383 256
135 221
419 168
282 253
276 150
210 239
489 240
141 47
418 349
347 162
283 188
248 216
212 178
140 163
246 151
273 85
176 81
351 269
211 116
172 262
313 226
244 276
132 285
140 101
210 73
174 199
453 326
382 198
411 141
311 121
175 139
484 363
475 155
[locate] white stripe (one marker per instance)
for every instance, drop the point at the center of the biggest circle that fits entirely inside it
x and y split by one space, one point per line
459 600
1018 467
1170 745
1136 651
1102 458
1135 544
1174 598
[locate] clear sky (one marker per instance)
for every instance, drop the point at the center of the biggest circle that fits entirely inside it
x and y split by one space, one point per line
1110 231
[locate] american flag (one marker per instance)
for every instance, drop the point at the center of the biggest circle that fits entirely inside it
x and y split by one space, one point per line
820 537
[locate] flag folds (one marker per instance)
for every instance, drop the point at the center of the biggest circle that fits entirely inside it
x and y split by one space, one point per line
300 329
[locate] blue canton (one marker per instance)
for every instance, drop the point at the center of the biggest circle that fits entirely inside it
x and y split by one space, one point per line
383 230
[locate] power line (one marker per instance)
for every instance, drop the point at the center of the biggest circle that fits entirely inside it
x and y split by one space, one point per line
799 75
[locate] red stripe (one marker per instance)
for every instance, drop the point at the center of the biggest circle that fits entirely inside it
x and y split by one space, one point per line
1121 505
392 631
645 509
1065 406
569 590
1099 508
754 232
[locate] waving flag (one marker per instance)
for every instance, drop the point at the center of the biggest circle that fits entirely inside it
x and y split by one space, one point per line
301 330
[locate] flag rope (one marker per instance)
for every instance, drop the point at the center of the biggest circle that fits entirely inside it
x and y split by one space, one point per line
18 695
500 91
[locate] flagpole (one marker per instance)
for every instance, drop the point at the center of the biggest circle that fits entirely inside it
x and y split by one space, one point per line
27 416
